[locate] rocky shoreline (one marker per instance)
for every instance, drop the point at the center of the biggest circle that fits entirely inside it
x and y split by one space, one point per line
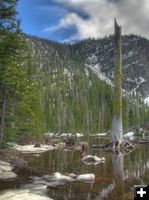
6 171
13 166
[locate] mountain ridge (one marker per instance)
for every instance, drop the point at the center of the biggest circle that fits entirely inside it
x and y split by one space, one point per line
98 55
135 60
74 83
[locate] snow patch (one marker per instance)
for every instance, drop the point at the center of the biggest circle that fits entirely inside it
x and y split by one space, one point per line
129 135
100 134
138 81
129 54
101 75
130 80
32 149
67 72
78 135
130 64
92 59
86 72
146 100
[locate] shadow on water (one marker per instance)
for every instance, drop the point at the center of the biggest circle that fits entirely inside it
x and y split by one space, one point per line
114 178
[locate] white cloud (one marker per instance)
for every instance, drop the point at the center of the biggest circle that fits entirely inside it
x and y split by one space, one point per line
132 15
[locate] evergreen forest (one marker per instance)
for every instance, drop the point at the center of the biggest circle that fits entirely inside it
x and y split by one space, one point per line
46 86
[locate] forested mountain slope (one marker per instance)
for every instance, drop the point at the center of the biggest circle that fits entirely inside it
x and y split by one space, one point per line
48 86
72 97
75 82
99 56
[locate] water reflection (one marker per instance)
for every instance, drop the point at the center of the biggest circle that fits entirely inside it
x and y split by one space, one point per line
114 178
118 170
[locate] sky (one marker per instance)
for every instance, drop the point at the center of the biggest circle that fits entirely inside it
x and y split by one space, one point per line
71 20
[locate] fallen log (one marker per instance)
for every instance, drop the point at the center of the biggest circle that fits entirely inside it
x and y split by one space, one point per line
100 146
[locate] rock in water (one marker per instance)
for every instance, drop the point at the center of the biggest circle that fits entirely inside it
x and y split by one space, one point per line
38 192
6 171
7 175
32 149
86 177
129 135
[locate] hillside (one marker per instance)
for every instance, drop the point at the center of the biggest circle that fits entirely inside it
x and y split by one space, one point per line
99 56
75 82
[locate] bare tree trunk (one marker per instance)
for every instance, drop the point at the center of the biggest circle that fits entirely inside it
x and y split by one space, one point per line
12 111
117 129
2 120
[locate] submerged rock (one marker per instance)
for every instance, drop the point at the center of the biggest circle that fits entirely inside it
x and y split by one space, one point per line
92 160
59 177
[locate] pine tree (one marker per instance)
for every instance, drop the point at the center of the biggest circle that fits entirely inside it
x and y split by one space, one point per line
18 89
8 25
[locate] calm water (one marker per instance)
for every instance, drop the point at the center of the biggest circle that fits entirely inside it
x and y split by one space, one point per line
114 178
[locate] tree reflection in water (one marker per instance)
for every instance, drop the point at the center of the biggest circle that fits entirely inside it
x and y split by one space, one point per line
114 178
118 170
115 190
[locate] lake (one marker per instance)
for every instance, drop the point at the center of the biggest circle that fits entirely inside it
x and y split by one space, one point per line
114 179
